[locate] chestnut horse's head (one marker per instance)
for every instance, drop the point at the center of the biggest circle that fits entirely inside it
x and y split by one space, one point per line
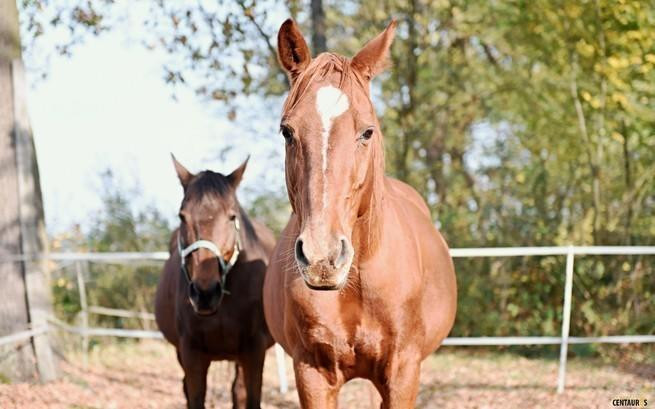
334 153
209 237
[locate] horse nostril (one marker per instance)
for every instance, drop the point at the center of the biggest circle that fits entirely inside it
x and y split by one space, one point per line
342 258
193 290
300 255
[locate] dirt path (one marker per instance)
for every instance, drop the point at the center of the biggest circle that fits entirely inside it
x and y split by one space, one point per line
146 375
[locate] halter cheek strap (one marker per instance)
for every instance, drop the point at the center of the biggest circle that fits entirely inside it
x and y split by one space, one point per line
226 266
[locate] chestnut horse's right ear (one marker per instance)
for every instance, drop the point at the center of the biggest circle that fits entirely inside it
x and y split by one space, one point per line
182 173
292 50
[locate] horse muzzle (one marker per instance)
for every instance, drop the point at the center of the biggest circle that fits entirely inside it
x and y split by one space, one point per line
325 265
323 276
205 301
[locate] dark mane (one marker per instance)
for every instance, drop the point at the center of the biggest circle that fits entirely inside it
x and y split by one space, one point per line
320 68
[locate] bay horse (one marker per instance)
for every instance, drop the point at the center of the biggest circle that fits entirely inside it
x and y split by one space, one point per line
209 298
361 284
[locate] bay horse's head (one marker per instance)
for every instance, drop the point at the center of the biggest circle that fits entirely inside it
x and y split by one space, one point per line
334 153
208 239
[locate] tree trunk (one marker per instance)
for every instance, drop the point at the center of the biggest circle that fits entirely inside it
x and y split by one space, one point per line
24 294
319 44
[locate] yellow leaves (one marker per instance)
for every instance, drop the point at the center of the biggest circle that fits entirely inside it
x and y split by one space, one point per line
585 49
620 99
618 62
634 35
520 177
650 58
617 136
553 18
617 81
591 100
626 266
513 309
636 60
572 10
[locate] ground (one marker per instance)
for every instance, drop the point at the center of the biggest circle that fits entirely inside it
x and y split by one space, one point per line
146 375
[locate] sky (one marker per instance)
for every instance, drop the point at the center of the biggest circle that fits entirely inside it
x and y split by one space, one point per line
107 106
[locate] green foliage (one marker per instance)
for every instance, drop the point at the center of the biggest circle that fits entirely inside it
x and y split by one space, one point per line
522 123
526 123
117 227
272 209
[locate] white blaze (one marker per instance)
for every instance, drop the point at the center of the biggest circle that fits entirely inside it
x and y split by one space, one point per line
330 103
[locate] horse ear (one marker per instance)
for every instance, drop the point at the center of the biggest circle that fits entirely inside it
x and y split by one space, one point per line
182 173
235 177
373 58
292 50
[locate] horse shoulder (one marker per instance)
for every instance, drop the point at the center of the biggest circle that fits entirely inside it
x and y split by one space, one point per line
405 192
435 267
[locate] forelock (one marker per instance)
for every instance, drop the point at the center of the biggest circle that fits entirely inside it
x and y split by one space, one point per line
319 69
209 189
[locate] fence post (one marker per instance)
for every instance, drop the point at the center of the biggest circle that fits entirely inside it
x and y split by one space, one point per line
84 313
281 368
566 320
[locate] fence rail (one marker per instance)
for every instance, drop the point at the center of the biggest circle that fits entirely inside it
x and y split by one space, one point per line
563 340
23 335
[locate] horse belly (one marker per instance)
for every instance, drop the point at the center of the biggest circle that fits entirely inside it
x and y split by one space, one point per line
439 303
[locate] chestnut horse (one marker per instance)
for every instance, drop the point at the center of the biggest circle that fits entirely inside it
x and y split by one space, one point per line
372 289
209 301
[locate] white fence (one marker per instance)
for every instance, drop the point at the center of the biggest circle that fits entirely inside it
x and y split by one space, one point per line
563 340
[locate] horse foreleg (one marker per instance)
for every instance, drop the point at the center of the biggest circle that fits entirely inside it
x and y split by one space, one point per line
315 391
179 360
253 368
238 388
195 378
399 387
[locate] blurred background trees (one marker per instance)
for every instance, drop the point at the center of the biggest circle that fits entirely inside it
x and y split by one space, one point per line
522 123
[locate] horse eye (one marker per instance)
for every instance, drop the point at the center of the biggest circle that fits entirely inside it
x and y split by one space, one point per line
367 134
287 133
233 217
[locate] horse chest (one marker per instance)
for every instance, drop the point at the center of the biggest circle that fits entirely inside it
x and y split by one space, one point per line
219 336
349 347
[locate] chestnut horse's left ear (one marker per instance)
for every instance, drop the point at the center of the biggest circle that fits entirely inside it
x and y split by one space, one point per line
235 177
373 58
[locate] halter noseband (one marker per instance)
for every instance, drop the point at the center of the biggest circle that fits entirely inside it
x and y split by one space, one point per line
226 266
